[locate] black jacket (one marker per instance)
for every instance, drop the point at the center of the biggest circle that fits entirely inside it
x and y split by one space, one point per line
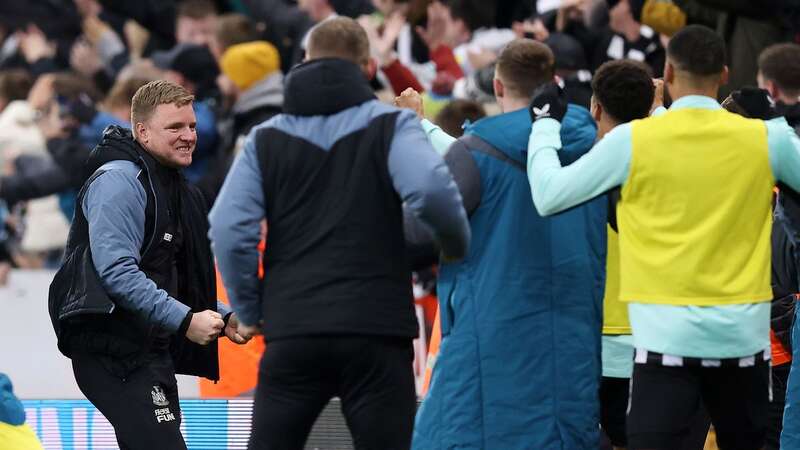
785 251
335 247
85 317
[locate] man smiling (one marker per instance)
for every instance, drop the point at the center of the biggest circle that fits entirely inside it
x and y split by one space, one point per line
138 274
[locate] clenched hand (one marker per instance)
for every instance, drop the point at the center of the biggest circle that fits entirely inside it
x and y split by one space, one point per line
205 327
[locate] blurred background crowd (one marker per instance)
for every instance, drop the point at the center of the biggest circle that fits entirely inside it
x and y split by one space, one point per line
68 69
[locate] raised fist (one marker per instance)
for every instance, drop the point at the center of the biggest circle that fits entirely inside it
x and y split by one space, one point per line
548 101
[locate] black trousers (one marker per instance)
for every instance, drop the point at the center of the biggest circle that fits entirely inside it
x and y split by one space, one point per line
665 399
143 408
371 375
614 393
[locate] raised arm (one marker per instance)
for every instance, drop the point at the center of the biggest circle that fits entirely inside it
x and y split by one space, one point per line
426 186
555 188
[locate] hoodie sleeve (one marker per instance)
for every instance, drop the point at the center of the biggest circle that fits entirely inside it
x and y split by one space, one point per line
440 140
422 180
784 152
235 233
555 188
114 206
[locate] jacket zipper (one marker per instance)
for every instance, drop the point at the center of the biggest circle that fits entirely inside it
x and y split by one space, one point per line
155 207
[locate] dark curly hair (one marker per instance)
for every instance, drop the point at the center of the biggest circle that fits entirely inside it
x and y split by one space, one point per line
624 88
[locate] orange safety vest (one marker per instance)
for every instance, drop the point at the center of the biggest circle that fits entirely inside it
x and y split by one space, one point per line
779 354
433 353
238 364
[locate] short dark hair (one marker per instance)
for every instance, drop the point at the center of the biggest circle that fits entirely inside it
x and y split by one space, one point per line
196 9
524 65
624 88
452 117
15 84
474 13
698 50
340 37
781 64
235 28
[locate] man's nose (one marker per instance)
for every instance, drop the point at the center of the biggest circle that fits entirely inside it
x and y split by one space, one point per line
188 135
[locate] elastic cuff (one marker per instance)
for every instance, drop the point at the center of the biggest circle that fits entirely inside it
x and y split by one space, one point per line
227 318
185 324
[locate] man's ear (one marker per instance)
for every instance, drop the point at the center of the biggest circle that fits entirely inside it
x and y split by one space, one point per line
773 89
723 77
140 133
596 110
669 73
370 68
499 89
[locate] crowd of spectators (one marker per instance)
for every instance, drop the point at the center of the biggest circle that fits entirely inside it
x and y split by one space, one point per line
68 69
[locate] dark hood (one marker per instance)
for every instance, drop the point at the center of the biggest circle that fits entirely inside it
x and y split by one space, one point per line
790 112
324 87
117 144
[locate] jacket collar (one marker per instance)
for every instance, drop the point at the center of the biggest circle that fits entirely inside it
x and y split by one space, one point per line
790 112
695 101
324 87
118 144
510 132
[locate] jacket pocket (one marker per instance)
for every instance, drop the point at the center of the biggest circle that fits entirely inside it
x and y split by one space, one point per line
447 292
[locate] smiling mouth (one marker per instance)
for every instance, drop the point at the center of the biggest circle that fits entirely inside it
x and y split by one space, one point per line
185 149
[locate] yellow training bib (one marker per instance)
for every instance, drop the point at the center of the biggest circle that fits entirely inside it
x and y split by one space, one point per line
695 214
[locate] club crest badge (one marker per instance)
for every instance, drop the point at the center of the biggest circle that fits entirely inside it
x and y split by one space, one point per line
159 397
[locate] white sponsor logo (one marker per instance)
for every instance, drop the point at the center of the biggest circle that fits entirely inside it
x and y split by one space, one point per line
164 415
159 397
167 237
543 112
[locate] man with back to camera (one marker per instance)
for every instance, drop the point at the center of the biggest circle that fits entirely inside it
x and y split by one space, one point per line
331 176
695 275
138 274
524 304
622 91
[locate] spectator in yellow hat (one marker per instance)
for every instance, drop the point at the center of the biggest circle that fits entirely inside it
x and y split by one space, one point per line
251 71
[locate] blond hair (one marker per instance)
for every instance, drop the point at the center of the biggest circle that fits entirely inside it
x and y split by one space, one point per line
341 37
154 93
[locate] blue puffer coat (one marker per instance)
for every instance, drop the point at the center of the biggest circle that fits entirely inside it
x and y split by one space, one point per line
519 363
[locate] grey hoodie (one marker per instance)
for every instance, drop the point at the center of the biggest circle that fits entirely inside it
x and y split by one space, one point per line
265 92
